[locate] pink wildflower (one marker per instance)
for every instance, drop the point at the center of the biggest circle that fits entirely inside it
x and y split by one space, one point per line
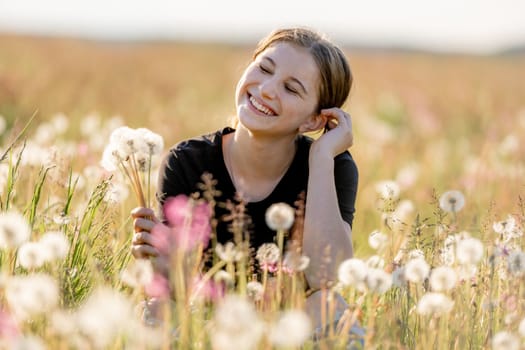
270 267
8 326
158 287
162 238
208 289
189 221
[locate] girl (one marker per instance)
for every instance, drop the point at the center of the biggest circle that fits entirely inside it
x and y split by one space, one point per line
296 83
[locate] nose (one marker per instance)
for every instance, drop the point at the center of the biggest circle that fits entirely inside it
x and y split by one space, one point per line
268 88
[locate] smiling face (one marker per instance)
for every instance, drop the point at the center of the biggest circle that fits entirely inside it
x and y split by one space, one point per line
279 90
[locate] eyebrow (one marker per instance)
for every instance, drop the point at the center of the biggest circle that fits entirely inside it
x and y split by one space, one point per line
292 78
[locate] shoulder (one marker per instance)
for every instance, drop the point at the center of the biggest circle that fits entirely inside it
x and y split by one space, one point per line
198 146
204 141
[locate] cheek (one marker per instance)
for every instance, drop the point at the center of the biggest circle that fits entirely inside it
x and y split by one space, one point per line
239 88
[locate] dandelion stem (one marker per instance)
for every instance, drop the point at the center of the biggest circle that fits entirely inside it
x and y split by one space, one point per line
138 184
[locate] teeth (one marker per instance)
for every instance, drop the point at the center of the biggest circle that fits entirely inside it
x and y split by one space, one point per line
260 107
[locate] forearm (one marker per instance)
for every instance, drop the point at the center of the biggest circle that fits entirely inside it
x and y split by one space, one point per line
327 237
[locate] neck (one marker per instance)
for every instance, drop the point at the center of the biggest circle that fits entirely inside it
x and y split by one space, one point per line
261 156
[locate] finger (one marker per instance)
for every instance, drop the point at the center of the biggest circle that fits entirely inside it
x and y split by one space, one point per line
140 238
337 114
143 251
142 212
141 224
331 123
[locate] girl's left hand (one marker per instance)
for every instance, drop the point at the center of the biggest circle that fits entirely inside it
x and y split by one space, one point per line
339 136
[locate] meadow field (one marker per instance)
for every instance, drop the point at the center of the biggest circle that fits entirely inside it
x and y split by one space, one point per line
438 232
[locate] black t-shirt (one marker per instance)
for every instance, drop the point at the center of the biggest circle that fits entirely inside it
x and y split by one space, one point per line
182 169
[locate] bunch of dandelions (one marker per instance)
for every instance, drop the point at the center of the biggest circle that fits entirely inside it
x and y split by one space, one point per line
132 151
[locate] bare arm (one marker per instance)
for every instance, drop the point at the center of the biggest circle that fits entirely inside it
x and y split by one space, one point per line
327 237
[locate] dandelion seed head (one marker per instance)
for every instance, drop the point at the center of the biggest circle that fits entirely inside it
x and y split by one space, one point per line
117 192
61 219
352 272
138 274
28 342
45 133
375 261
60 122
469 251
31 294
62 323
404 211
388 189
126 140
507 229
504 340
143 161
14 229
416 270
291 330
223 277
90 124
31 255
433 303
55 245
505 225
268 254
280 216
104 315
516 263
111 158
228 252
377 240
466 272
235 313
443 278
452 201
378 280
255 290
247 339
153 141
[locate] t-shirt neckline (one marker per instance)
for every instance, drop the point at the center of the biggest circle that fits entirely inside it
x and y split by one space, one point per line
228 130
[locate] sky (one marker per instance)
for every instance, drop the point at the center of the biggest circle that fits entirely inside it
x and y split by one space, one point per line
471 26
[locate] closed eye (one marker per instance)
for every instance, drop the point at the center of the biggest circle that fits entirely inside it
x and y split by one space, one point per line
290 89
264 69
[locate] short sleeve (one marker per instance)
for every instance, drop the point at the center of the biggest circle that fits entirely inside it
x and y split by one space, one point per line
171 179
346 180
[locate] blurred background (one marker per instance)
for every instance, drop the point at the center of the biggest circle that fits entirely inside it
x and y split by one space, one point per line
438 100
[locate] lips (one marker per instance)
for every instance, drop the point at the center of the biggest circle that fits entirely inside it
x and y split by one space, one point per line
260 107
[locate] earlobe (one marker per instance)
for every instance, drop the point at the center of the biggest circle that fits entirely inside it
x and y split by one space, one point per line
314 123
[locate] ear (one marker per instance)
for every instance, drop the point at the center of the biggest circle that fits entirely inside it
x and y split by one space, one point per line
313 123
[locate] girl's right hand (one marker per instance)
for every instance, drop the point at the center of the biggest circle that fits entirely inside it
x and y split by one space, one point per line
142 243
